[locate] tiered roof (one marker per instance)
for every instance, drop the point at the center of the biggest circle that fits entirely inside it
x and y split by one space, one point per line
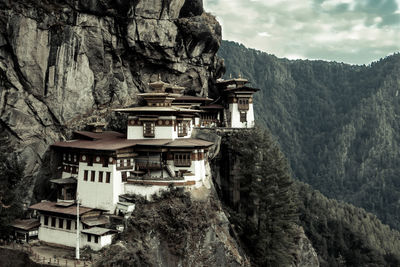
113 141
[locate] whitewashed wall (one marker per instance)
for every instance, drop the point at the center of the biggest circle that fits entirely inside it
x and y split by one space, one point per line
99 195
235 116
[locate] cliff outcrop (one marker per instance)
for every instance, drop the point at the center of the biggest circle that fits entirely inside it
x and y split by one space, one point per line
64 61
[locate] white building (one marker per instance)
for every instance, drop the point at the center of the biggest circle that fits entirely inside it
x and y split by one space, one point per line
239 111
157 152
58 225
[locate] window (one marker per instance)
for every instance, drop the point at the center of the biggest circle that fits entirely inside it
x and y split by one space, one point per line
60 223
182 159
69 224
182 128
53 222
243 117
92 176
100 177
148 129
243 104
96 239
108 176
124 177
46 220
128 162
85 175
89 238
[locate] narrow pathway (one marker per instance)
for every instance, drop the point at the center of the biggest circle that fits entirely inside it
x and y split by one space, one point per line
48 255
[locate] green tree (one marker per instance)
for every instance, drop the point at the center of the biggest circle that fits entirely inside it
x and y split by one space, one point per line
11 186
266 213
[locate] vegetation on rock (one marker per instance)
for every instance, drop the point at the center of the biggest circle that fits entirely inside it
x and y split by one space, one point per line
175 230
266 213
337 123
344 235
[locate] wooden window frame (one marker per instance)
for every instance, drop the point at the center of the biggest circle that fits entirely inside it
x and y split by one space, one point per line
92 176
243 116
124 176
100 176
46 220
182 159
149 128
68 225
85 175
182 128
96 239
108 177
243 103
61 223
89 238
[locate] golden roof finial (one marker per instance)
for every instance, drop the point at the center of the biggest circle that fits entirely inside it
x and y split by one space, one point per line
230 75
159 77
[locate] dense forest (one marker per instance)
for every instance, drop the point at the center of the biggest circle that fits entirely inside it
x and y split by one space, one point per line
336 123
271 203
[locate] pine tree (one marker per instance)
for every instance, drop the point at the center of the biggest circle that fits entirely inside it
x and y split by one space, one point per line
266 214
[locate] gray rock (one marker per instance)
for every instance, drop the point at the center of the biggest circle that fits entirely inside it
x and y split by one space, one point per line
63 62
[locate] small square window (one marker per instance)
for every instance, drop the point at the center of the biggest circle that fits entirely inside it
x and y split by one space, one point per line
96 239
89 238
148 129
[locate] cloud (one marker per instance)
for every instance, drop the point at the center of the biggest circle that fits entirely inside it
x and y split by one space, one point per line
352 31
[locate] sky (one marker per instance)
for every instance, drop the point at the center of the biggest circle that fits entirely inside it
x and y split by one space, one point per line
349 31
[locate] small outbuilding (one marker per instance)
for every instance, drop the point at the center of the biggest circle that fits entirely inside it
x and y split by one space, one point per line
26 230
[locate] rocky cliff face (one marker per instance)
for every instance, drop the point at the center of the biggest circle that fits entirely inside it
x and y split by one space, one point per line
64 61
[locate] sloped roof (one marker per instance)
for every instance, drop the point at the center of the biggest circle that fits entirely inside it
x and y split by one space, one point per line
98 231
114 141
173 109
95 221
52 207
99 136
189 142
70 180
26 225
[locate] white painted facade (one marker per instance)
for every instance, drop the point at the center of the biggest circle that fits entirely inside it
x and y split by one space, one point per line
103 241
97 194
160 132
57 235
67 237
235 116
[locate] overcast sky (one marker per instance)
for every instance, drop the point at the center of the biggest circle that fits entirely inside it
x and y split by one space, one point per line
351 31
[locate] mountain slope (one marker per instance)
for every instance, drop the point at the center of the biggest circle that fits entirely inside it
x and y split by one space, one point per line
337 123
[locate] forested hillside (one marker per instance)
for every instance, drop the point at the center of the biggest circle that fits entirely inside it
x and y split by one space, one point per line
337 123
344 235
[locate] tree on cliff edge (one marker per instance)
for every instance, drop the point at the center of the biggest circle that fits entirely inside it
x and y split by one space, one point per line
267 211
